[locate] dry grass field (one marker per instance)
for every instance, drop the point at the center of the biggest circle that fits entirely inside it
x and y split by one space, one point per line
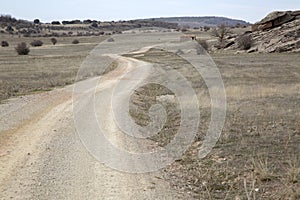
45 67
257 156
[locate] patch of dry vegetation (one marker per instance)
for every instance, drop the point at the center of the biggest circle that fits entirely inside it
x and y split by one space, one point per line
257 156
45 67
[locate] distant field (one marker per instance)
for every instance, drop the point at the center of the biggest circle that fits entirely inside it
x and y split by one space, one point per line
45 67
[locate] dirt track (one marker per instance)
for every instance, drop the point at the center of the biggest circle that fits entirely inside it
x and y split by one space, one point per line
41 156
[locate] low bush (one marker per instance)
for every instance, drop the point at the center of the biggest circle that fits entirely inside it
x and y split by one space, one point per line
22 49
4 44
245 42
53 40
75 41
203 44
36 43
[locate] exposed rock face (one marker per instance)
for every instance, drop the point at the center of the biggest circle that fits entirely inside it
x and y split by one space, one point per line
278 32
280 39
276 19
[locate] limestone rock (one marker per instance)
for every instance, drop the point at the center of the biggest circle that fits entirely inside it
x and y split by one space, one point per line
276 19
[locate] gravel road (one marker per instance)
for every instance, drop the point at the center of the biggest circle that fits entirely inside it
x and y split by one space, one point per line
42 156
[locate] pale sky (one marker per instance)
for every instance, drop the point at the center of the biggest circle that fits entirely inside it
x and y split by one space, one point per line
47 11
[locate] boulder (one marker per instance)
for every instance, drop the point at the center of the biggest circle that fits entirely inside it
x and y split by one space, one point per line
272 16
252 50
295 13
265 26
228 44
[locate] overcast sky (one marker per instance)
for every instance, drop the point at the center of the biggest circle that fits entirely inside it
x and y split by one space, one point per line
47 11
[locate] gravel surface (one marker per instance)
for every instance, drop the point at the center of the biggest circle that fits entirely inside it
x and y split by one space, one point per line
42 157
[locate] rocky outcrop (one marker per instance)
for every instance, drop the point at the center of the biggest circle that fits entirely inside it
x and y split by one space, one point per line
278 32
285 38
276 19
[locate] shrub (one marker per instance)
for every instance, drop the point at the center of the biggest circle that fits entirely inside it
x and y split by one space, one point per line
36 21
10 29
221 32
245 42
4 44
184 30
53 40
94 25
203 44
22 49
36 43
75 41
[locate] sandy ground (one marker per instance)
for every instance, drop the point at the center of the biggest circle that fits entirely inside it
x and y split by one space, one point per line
42 157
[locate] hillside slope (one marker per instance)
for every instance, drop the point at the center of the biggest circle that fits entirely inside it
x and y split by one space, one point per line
203 21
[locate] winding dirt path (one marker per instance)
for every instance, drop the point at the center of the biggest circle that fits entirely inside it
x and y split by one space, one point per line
42 157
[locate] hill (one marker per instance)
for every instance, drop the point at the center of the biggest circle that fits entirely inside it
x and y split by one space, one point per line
196 22
13 26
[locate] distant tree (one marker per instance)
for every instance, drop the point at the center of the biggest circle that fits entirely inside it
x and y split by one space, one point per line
4 44
53 40
221 32
36 21
65 22
55 23
94 25
206 28
22 49
77 21
88 21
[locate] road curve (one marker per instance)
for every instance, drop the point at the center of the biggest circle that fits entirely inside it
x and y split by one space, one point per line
42 156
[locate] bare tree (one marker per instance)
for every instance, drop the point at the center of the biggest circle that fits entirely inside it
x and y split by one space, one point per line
221 32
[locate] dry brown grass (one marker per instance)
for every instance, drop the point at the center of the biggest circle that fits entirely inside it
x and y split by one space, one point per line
45 67
293 170
262 169
252 158
259 91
